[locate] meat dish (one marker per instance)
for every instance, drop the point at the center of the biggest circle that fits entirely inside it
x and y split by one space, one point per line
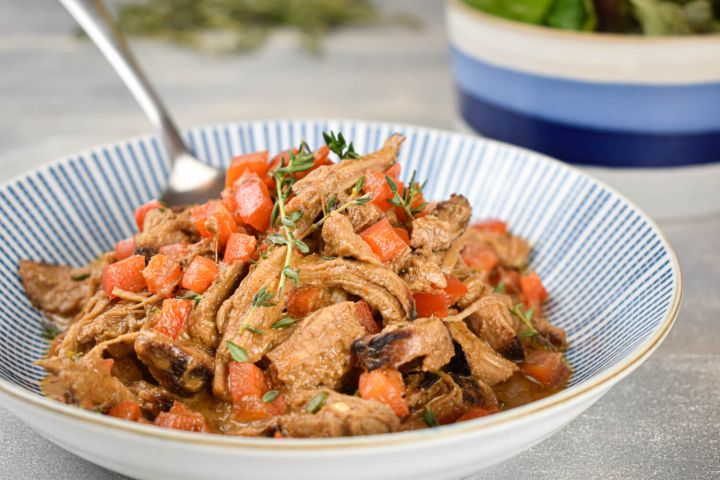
320 296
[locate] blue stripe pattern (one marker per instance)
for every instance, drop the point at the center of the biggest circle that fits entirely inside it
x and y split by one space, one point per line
588 146
610 275
607 106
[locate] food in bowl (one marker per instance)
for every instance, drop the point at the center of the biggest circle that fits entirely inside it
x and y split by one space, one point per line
314 299
648 17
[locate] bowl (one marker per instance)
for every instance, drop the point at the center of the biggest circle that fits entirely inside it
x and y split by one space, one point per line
640 112
613 279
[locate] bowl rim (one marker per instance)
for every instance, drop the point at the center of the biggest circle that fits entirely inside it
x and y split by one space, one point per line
552 403
619 39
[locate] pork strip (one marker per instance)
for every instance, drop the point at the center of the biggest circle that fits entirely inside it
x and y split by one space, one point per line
340 416
202 325
342 241
384 290
485 363
318 354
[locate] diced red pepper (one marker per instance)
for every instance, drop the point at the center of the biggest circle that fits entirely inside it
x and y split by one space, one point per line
365 317
492 225
247 384
455 289
403 234
127 410
480 257
214 220
533 290
162 274
254 162
545 367
385 385
302 301
239 247
125 248
182 418
251 201
379 189
384 240
125 275
200 274
510 279
477 412
142 210
174 250
246 379
431 304
172 316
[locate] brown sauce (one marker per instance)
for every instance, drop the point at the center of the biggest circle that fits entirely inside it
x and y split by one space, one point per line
519 390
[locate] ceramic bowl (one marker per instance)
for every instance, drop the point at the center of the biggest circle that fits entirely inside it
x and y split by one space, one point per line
641 112
613 280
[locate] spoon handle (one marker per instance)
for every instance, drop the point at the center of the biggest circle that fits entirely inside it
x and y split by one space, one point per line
95 19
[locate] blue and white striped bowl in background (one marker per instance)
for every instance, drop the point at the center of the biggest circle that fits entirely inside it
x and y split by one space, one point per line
613 280
618 104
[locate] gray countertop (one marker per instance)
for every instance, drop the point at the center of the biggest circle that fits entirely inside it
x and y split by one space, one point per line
57 95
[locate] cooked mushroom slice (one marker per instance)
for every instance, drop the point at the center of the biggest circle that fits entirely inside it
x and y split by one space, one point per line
485 363
399 344
183 369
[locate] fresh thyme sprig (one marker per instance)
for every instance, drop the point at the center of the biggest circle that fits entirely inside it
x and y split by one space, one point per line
331 205
406 200
530 331
338 145
284 180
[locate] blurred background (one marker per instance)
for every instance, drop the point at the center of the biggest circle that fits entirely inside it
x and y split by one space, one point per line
383 60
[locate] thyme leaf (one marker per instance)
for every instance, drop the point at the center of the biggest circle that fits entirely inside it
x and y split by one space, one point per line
237 353
429 417
270 396
316 403
339 146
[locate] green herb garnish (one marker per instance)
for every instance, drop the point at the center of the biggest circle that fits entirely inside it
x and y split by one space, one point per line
191 296
252 329
316 403
500 288
338 145
283 323
530 331
50 331
262 298
237 353
80 277
407 200
270 396
429 417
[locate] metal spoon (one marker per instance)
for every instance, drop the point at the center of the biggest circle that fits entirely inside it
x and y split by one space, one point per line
191 181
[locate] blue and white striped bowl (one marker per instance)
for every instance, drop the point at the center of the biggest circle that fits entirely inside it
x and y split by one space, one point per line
613 280
609 102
